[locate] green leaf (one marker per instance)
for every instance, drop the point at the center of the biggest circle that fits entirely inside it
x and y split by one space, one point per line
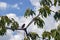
55 34
7 20
14 26
39 22
46 34
58 2
3 21
29 12
55 2
58 27
57 16
2 30
46 2
45 11
27 38
33 35
42 2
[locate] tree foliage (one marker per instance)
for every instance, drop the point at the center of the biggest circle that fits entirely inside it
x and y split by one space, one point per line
39 22
57 16
44 12
32 35
29 12
5 20
54 33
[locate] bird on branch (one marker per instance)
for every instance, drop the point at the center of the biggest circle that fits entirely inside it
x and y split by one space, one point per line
25 29
23 26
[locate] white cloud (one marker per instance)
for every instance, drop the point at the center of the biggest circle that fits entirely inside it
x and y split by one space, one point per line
48 21
21 20
20 34
55 8
35 3
16 6
16 37
3 5
7 36
32 28
11 15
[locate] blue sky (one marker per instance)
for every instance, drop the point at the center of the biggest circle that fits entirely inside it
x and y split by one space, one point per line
22 4
16 9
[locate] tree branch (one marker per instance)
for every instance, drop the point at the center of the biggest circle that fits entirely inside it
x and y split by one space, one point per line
11 29
29 23
32 21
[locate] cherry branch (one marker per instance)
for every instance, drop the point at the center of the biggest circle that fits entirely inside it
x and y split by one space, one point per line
32 21
11 29
29 23
25 29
